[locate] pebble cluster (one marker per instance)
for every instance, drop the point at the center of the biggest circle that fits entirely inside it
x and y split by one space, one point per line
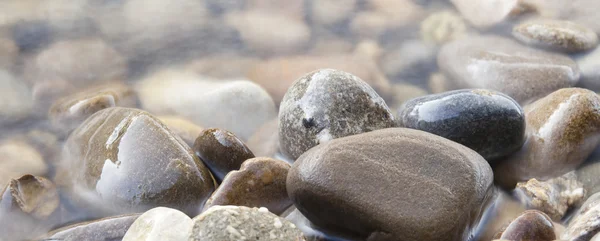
308 120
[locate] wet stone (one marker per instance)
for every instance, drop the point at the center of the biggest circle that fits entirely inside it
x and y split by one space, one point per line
160 224
242 223
396 184
553 197
125 160
502 64
260 182
531 225
488 122
558 35
221 151
562 130
69 112
182 127
111 228
586 222
328 104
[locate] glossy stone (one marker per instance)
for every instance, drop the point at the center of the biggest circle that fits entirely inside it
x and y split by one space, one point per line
221 151
111 228
242 223
531 225
501 64
585 224
328 104
553 197
69 112
489 122
392 184
160 224
260 182
556 35
562 130
123 160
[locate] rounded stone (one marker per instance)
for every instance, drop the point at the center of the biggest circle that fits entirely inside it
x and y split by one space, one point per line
392 184
488 122
558 35
328 104
531 225
160 224
260 182
501 64
221 151
562 130
125 160
242 223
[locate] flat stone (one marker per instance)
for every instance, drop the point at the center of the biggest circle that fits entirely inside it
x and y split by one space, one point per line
392 184
125 160
18 158
585 224
182 127
501 64
260 182
488 122
242 223
559 35
553 197
531 225
221 151
485 13
328 104
276 75
207 102
15 99
562 130
111 228
265 142
160 224
69 112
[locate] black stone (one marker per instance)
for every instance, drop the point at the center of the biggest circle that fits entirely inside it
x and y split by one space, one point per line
489 122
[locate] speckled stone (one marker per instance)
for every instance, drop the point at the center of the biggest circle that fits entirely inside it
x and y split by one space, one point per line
328 104
392 184
111 228
242 223
69 112
221 151
27 207
125 160
559 35
585 224
531 225
260 182
562 130
553 197
160 224
502 64
489 122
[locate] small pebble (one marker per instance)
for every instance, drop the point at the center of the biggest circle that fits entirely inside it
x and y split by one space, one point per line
241 223
221 151
160 224
562 131
559 35
260 182
531 225
488 122
328 104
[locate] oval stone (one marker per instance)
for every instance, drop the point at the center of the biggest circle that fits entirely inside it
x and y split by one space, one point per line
392 184
559 35
531 225
123 160
221 151
489 122
328 104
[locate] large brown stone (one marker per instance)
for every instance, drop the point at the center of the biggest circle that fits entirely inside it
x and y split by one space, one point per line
392 184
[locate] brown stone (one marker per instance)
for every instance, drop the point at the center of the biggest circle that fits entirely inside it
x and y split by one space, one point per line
562 130
260 182
221 151
558 35
530 226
